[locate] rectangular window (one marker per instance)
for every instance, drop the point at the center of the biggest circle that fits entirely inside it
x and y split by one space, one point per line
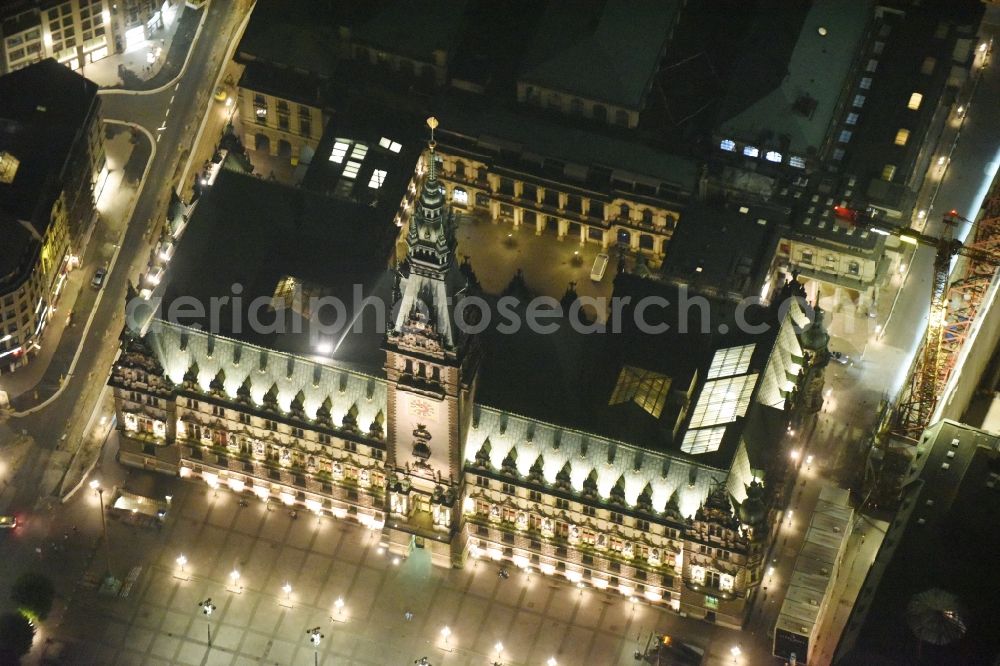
872 65
509 488
534 496
751 151
617 518
866 83
728 145
797 162
915 100
927 68
859 101
838 154
888 172
339 151
378 177
482 482
852 119
902 136
845 136
807 257
854 268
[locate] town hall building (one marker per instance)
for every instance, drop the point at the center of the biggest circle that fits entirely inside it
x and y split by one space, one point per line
666 496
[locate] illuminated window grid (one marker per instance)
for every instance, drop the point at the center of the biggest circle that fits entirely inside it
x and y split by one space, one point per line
703 440
378 177
351 169
359 152
647 389
340 149
723 400
730 361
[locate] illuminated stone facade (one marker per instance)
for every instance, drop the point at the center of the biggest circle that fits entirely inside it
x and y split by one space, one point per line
411 454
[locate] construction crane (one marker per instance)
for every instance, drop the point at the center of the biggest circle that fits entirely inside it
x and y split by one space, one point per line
953 305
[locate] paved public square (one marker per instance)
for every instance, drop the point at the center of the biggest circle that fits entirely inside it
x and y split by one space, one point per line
160 622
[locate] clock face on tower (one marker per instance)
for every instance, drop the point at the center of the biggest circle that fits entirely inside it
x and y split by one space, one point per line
421 434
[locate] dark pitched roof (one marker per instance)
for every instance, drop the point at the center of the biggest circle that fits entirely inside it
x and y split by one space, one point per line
42 109
606 50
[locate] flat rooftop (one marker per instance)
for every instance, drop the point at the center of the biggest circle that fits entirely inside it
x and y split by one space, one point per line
723 248
949 542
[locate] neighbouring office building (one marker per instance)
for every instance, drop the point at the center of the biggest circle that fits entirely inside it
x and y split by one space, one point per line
52 164
78 32
654 474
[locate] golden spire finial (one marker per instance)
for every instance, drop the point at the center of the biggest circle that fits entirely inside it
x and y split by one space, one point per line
432 122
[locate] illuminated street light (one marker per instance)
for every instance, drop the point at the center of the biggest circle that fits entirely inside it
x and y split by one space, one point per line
552 661
736 652
287 589
315 637
207 607
181 561
445 633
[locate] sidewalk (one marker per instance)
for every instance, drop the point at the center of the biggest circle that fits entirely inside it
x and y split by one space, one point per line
42 377
153 64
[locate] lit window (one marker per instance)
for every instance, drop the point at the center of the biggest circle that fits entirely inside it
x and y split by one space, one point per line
726 582
888 172
866 83
339 151
395 146
852 119
730 361
872 65
838 154
859 101
845 136
459 195
723 400
359 152
772 156
698 574
728 144
384 143
389 144
751 151
703 440
902 136
351 169
378 177
915 100
646 389
797 162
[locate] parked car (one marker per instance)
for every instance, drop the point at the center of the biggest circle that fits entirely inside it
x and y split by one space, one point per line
600 266
99 276
840 357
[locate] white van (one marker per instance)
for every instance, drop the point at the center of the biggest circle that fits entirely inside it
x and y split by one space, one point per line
599 268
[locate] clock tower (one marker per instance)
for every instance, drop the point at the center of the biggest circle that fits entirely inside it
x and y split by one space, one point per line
430 368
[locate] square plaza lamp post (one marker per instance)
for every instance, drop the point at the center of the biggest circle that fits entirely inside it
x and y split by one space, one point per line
315 637
207 607
736 652
110 585
234 581
339 606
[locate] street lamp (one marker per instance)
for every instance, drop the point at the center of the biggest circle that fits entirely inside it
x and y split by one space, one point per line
445 633
287 589
181 561
109 579
234 576
551 661
339 605
499 650
207 607
315 637
736 652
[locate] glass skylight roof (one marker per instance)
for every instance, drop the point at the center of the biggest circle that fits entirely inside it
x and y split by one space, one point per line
378 177
339 151
730 361
703 440
723 400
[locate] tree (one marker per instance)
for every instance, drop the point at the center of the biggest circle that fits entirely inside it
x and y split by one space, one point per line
33 593
16 636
